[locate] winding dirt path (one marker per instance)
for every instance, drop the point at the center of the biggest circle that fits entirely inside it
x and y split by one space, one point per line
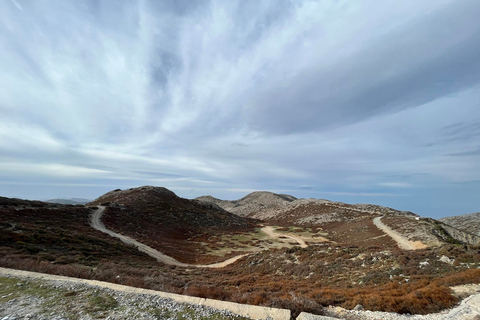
96 223
402 242
270 231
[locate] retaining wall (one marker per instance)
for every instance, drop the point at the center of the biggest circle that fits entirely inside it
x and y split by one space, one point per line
254 312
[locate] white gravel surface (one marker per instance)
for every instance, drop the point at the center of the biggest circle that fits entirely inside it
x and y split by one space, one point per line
61 300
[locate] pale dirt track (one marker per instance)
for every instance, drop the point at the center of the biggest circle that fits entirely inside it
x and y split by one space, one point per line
97 224
402 242
270 231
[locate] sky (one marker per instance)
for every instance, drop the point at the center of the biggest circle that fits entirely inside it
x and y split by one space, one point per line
354 101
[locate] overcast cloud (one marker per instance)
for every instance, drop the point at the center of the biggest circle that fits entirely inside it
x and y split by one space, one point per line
363 101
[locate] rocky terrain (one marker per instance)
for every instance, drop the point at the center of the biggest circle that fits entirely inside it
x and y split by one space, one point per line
350 224
251 203
281 208
468 222
323 254
27 295
25 298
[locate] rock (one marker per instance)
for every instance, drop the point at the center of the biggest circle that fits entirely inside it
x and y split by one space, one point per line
358 307
446 259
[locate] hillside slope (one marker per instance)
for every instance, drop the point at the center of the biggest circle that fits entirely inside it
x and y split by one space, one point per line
251 203
468 222
350 224
58 239
158 217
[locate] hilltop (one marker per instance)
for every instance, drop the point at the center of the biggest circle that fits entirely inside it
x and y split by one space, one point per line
251 203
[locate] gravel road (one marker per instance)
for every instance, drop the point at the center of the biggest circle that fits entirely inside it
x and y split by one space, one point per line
402 242
96 223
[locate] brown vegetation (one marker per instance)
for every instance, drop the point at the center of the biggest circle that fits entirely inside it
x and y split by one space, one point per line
374 273
157 217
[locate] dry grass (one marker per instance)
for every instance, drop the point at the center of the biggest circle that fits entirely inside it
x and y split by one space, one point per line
376 275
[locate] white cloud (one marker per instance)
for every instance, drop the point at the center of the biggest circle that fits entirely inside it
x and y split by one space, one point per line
358 98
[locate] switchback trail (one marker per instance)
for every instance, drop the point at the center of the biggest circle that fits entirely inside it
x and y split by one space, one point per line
402 242
97 224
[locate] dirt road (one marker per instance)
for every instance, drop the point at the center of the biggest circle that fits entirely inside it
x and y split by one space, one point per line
96 223
270 231
402 242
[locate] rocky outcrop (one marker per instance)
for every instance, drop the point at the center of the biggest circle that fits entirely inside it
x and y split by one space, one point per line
464 228
251 203
468 222
462 236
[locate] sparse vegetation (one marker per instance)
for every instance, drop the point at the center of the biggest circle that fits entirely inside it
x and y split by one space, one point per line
359 265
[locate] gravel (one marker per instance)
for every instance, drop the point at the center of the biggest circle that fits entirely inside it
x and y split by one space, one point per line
58 300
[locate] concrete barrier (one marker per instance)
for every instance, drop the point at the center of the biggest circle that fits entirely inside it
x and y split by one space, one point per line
309 316
254 312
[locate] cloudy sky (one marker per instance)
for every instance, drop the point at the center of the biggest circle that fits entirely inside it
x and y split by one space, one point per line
355 101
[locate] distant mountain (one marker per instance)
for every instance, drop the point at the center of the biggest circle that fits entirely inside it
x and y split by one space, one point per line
20 202
468 222
252 203
70 201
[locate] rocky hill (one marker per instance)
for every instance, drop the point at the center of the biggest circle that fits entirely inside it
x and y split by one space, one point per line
468 222
252 203
350 224
282 208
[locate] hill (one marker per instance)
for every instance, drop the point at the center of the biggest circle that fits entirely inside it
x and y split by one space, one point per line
21 202
468 222
158 217
251 203
345 261
69 201
349 224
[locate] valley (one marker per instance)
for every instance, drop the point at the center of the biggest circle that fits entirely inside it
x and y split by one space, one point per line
281 252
